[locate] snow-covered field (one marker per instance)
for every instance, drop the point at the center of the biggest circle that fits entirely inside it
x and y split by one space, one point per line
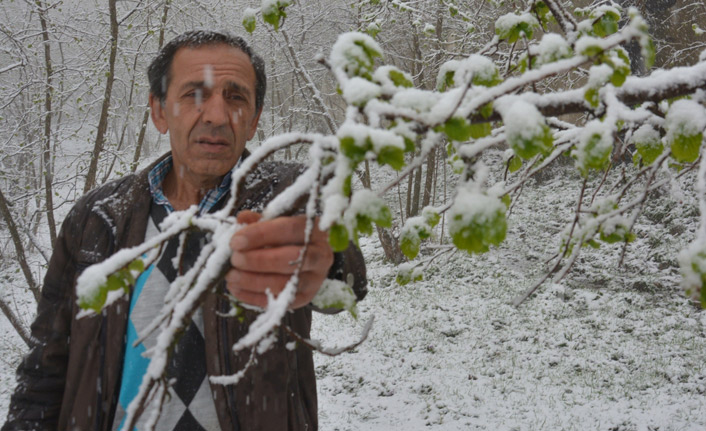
608 349
611 348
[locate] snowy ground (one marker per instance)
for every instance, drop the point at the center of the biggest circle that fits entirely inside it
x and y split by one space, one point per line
608 349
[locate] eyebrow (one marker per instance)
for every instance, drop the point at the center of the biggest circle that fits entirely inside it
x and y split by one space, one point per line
230 85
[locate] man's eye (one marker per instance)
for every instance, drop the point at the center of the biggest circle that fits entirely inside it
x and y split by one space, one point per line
194 93
234 97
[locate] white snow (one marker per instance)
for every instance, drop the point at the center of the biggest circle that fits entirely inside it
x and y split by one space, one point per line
418 100
334 292
552 47
347 53
646 135
357 91
685 117
507 21
473 206
522 120
603 145
599 75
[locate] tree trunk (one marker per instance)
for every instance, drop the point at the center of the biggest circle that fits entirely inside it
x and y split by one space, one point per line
416 193
19 247
429 182
46 155
16 323
103 121
408 203
390 246
146 114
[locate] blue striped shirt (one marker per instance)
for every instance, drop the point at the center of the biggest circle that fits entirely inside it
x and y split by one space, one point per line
156 178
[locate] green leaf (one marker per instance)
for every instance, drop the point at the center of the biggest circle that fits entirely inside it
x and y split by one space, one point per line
591 243
478 237
337 295
530 147
595 155
370 52
275 13
605 25
486 81
409 145
649 152
128 279
383 218
514 164
137 265
477 233
514 32
592 97
618 234
249 23
619 76
406 275
338 237
363 225
487 110
410 243
685 149
399 79
592 51
431 217
94 302
347 185
447 82
457 129
480 130
350 149
392 156
540 9
115 281
373 29
423 232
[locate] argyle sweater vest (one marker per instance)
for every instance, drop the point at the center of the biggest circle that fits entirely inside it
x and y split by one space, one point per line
190 405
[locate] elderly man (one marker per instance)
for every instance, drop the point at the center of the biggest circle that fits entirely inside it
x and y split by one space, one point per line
207 91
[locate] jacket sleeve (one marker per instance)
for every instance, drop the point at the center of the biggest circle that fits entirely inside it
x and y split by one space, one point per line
36 402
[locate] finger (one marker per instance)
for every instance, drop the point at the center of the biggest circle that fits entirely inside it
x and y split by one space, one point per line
251 287
255 282
247 217
260 299
275 232
284 259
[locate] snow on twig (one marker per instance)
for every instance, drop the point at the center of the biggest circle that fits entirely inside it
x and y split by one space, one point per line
335 351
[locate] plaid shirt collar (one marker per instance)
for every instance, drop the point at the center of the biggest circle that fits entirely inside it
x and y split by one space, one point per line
157 175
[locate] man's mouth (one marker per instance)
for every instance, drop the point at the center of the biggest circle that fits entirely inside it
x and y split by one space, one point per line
212 142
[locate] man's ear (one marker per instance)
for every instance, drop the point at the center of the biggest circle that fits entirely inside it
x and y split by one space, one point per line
253 124
157 114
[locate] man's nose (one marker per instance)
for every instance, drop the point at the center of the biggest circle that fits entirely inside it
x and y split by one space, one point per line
214 110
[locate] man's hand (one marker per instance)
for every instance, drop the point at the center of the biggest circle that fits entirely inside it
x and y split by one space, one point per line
265 254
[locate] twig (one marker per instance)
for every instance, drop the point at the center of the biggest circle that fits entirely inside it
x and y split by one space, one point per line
316 346
521 298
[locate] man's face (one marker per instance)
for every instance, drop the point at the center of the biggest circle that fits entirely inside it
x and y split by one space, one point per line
209 111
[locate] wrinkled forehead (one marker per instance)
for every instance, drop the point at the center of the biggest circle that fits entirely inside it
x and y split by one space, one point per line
203 61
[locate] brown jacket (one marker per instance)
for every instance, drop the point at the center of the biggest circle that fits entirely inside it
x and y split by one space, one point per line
70 380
